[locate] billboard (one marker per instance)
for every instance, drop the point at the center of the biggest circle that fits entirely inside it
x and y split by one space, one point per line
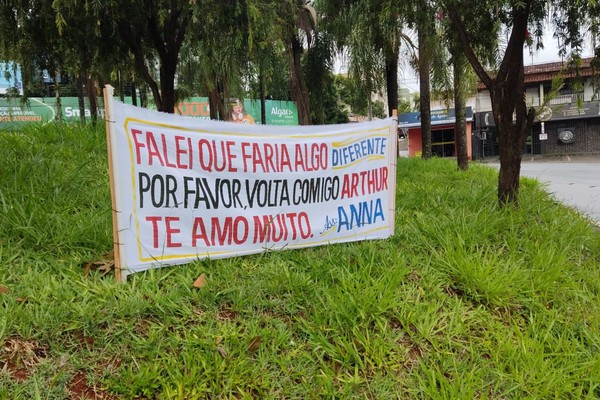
278 112
14 114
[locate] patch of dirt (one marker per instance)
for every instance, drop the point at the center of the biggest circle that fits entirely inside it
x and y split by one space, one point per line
18 374
79 388
20 357
227 314
104 266
414 353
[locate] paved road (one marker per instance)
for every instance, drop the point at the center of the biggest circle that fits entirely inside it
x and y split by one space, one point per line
576 183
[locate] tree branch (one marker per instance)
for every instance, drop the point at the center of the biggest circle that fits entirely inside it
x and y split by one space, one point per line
512 63
135 47
466 44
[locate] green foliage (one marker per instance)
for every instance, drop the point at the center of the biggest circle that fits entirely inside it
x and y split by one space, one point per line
349 93
331 108
405 106
357 98
325 104
378 109
467 300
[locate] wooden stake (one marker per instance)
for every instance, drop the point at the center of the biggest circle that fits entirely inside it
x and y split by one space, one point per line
394 157
108 108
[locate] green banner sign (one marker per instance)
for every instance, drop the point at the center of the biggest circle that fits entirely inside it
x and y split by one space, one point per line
14 114
248 111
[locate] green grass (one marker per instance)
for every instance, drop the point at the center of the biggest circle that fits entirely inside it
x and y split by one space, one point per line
466 300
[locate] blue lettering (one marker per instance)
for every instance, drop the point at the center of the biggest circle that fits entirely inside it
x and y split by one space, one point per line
358 215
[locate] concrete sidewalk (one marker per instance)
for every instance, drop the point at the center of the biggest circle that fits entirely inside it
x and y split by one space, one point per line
573 180
567 158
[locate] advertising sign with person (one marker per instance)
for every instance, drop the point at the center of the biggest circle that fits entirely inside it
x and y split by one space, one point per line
238 114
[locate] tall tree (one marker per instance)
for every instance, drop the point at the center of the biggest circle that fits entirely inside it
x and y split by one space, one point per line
267 71
474 21
371 32
216 56
297 19
153 31
463 83
460 127
507 91
426 34
85 55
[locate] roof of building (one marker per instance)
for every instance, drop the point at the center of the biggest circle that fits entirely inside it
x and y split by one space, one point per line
546 72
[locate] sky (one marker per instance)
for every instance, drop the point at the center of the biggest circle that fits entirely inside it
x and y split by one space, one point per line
408 79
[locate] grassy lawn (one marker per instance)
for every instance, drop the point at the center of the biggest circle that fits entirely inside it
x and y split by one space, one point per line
466 300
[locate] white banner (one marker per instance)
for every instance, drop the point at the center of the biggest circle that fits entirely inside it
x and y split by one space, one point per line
186 189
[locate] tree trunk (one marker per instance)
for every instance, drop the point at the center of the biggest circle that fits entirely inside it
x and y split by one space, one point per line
261 83
57 97
391 74
424 86
166 33
80 97
512 137
213 104
298 86
121 87
216 103
143 96
507 91
133 94
460 127
167 85
513 121
91 86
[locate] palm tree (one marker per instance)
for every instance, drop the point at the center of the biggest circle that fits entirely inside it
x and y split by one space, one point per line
370 32
298 19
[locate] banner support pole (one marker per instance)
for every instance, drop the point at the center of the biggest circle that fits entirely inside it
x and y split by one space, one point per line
394 162
108 108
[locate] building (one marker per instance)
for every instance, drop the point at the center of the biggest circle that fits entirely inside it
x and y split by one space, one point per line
443 139
568 115
567 121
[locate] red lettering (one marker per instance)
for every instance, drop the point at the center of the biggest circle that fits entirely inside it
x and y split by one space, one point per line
299 159
246 155
291 217
137 144
230 156
256 158
154 221
271 151
354 185
171 231
230 231
384 176
211 159
179 151
152 149
305 229
281 227
165 150
199 233
285 159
